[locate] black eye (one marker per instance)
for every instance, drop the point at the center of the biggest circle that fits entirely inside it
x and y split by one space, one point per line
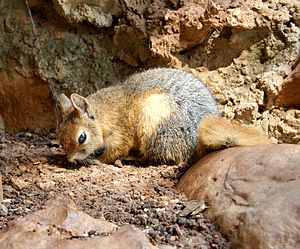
82 138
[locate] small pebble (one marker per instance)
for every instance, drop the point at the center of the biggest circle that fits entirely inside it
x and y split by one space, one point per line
159 228
144 206
167 235
181 221
28 134
33 209
3 210
16 201
92 233
8 188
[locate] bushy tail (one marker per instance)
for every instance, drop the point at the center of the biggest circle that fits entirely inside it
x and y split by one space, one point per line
217 133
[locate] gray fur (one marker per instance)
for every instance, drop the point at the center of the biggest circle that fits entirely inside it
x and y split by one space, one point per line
179 135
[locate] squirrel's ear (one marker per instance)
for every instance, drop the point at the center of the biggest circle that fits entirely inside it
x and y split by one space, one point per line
82 106
65 105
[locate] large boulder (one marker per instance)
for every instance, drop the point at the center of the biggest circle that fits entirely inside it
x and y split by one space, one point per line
252 192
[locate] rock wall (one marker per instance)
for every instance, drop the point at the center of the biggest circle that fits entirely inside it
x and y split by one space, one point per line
243 50
65 57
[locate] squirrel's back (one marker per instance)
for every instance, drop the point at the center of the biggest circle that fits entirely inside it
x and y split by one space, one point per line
171 104
189 93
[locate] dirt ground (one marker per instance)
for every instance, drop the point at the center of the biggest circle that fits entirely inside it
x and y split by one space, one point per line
34 169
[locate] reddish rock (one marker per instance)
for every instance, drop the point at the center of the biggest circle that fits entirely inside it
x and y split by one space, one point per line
25 103
290 93
252 193
61 225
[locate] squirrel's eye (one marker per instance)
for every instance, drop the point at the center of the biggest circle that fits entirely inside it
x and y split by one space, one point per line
82 138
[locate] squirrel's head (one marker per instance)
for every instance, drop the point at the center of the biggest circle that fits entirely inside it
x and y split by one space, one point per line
78 134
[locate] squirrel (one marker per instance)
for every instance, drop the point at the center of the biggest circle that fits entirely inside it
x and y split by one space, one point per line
161 115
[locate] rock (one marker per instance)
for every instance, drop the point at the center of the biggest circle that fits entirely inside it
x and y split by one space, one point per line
98 13
136 50
61 225
26 103
18 183
33 3
270 83
3 210
285 125
290 90
46 185
2 126
246 112
252 193
1 189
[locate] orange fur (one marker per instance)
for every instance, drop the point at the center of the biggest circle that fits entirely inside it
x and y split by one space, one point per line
153 116
218 132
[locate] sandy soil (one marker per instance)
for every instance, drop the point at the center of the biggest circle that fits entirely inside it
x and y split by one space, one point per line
34 169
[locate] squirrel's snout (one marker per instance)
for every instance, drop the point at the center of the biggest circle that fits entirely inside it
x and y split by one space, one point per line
99 152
